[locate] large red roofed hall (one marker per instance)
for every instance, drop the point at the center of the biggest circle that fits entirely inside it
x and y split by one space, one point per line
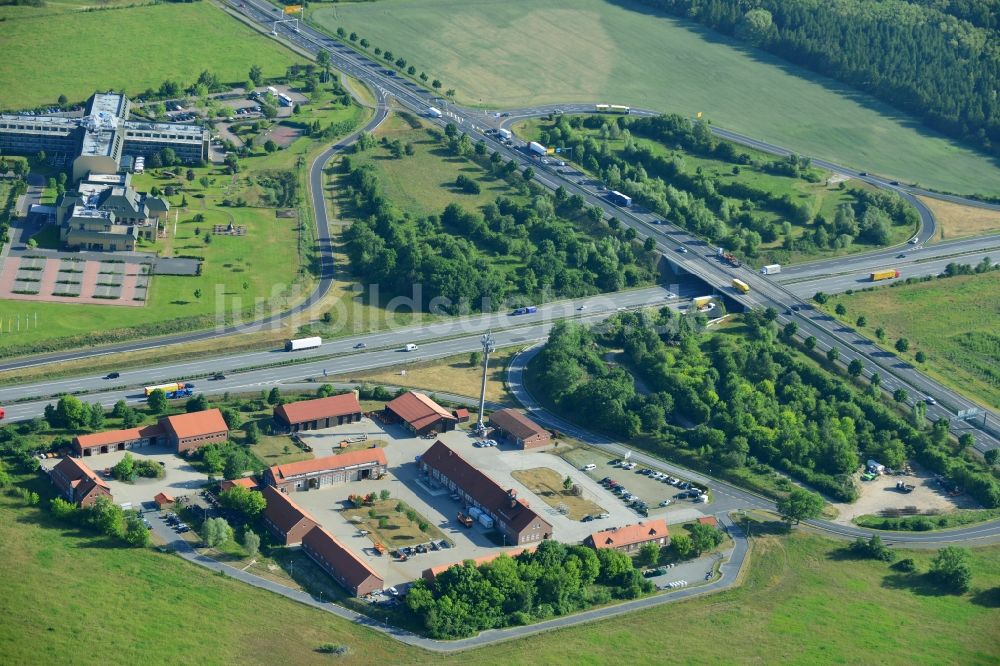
337 560
319 413
419 414
512 516
327 471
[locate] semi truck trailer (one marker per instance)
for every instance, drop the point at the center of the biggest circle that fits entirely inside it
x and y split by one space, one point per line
886 274
303 343
434 112
537 148
771 269
741 286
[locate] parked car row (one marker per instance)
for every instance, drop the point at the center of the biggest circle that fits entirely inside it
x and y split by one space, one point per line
485 443
174 521
630 500
407 552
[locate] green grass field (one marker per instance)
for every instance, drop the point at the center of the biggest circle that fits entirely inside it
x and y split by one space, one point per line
954 321
522 53
235 272
59 579
50 51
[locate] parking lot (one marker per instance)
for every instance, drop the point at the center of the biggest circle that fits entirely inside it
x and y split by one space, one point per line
645 487
180 478
434 503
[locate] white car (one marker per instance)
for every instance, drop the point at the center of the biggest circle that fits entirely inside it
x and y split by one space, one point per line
665 503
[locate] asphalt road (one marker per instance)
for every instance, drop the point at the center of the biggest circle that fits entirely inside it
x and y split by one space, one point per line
700 262
725 496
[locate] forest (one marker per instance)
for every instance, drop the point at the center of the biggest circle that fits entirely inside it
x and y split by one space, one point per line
555 579
734 402
936 59
737 213
521 248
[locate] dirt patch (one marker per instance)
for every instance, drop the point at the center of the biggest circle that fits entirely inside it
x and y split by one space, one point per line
284 135
880 496
957 221
548 485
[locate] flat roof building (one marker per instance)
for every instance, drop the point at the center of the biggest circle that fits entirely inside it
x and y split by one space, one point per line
319 413
514 426
324 472
107 213
97 142
419 414
512 516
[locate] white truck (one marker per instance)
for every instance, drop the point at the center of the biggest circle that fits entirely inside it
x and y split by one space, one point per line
504 134
410 347
434 112
537 148
771 269
303 343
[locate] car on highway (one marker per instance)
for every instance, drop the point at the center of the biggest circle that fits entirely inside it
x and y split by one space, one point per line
360 345
894 182
914 241
581 308
863 173
112 375
901 256
217 376
682 250
930 400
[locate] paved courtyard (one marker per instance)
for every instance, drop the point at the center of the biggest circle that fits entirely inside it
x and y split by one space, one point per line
180 479
405 482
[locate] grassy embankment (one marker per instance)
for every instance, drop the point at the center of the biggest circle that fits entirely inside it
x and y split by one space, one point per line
781 613
954 321
524 53
957 221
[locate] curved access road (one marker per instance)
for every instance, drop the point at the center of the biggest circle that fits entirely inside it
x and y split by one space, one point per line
726 496
323 285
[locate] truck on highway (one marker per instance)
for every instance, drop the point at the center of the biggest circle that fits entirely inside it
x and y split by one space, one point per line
771 269
505 134
886 274
728 257
703 303
741 286
612 108
619 199
434 112
531 309
172 387
537 148
303 343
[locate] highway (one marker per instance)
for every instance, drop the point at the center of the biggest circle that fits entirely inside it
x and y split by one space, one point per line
700 263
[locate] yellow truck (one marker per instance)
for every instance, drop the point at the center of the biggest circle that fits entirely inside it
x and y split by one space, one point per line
741 286
886 274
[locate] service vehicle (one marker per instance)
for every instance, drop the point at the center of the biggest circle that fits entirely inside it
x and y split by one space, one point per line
303 343
741 286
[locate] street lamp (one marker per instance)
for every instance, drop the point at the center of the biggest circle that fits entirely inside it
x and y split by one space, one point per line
489 346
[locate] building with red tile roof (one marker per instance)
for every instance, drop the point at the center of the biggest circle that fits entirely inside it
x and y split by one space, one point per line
327 471
194 430
512 516
118 440
287 520
461 414
163 499
419 414
519 429
344 566
245 482
78 483
319 413
632 537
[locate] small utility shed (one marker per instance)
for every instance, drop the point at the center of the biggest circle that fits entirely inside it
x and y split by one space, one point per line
518 428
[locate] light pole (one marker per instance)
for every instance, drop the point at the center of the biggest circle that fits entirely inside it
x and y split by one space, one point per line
489 346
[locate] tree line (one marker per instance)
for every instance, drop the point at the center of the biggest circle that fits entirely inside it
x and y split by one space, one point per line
555 579
937 59
732 212
741 404
454 255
